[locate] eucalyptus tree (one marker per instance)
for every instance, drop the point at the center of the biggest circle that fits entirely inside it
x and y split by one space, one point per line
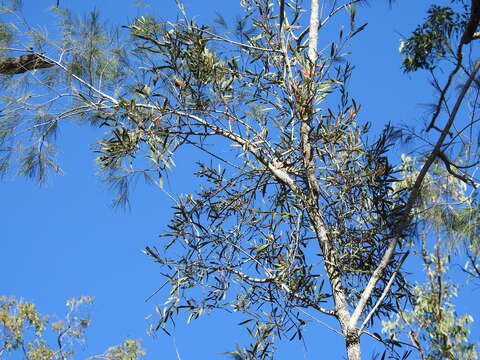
296 215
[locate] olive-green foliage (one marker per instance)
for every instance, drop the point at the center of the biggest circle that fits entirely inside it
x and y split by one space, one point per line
90 50
25 331
433 320
128 350
431 41
15 319
442 333
5 35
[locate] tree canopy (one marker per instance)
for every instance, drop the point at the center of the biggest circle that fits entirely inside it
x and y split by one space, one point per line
302 210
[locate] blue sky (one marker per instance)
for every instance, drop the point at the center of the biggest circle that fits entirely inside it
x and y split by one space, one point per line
64 240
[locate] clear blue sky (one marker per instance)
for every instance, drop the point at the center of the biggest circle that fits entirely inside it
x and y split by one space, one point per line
64 240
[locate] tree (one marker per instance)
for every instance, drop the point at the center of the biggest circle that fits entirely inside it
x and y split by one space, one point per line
298 215
433 326
449 205
22 330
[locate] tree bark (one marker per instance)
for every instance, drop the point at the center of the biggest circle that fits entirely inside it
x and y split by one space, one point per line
472 25
350 331
352 342
23 63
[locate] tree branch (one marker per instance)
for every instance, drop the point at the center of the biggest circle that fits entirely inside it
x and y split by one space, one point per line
384 293
23 63
448 165
83 82
242 45
468 35
275 166
405 219
472 25
313 32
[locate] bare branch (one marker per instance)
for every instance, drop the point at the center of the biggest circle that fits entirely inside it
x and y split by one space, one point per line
82 81
275 165
405 220
448 165
386 290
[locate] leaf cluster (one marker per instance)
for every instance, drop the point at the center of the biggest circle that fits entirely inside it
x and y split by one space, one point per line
431 41
24 330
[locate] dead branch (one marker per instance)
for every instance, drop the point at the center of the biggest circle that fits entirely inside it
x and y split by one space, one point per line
448 165
23 63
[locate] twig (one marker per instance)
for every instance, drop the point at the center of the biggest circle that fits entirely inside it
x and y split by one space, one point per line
83 82
221 38
156 291
448 165
329 327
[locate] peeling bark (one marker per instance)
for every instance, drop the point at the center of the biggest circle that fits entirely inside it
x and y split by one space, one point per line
23 63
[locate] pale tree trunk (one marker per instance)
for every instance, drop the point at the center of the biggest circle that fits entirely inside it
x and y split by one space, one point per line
352 343
349 330
350 323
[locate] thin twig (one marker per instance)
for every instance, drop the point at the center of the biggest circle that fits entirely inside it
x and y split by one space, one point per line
246 46
329 327
83 82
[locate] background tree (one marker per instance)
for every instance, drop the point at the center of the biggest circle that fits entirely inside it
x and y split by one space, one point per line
297 215
23 328
432 325
449 203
